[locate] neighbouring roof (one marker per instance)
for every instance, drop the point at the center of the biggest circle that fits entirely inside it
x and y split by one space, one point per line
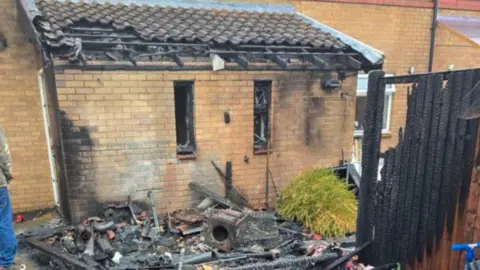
468 27
77 26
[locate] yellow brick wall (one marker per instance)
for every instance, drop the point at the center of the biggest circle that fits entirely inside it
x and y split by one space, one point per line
21 117
401 33
454 49
119 132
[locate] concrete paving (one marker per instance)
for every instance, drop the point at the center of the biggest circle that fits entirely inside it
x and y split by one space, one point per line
33 258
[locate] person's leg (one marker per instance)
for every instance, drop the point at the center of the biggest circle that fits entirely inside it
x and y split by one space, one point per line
8 241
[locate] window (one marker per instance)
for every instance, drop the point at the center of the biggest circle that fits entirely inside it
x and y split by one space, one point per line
184 117
261 102
362 85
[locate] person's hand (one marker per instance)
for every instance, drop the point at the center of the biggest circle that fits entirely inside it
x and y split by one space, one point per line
9 178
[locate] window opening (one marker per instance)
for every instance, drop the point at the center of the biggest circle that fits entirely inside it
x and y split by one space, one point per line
362 84
262 96
184 117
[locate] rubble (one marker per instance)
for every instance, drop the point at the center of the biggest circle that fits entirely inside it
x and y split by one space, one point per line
128 237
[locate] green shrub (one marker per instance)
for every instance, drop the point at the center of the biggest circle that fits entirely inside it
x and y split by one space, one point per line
321 201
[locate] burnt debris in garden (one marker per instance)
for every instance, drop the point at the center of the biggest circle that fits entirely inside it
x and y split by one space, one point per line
224 236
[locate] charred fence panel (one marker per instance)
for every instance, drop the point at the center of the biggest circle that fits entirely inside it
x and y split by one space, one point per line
425 179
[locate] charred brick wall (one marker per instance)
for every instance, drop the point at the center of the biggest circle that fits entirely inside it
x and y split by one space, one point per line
21 117
119 132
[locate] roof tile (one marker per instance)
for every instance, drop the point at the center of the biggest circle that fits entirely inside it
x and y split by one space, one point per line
183 24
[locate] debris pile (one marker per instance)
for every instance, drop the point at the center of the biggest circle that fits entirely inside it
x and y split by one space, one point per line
221 236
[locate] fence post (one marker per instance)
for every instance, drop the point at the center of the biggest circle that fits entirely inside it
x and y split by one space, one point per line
370 155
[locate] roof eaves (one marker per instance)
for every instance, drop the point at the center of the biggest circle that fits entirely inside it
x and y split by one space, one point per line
371 54
27 12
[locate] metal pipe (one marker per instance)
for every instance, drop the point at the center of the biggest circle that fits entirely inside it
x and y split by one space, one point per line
182 253
200 258
90 247
151 196
433 32
103 227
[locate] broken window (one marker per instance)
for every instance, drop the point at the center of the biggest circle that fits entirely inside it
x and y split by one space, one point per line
184 117
262 96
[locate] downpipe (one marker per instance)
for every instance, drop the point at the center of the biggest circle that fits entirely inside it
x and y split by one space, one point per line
433 32
46 122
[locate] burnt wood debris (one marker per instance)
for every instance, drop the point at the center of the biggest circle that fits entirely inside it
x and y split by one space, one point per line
220 233
225 236
426 177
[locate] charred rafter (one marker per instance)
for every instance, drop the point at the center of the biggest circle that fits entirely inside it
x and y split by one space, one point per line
277 59
107 44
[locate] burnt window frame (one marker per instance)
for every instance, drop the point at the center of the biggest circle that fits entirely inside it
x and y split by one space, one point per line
259 109
190 147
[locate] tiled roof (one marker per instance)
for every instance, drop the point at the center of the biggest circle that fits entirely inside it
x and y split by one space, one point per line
162 23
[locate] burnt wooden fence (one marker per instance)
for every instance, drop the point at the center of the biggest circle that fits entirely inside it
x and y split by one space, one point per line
426 177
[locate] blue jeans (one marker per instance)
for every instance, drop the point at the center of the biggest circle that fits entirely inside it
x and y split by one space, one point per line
8 240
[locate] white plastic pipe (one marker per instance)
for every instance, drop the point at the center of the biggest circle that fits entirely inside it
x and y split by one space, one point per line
46 122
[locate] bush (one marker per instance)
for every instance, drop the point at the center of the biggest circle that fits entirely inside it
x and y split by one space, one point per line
321 201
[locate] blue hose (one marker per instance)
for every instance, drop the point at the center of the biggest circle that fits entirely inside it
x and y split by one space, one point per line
469 249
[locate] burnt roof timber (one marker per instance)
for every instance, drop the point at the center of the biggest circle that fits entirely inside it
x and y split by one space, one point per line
354 62
240 59
317 61
84 35
177 59
96 42
199 67
277 59
90 29
303 50
283 53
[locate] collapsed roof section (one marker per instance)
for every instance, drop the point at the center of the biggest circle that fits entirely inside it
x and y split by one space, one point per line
245 36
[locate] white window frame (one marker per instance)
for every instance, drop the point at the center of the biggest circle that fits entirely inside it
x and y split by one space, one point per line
389 92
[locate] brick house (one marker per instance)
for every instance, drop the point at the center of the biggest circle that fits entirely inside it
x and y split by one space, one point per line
146 96
400 29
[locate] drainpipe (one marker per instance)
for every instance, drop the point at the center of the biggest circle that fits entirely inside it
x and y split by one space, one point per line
46 122
433 32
